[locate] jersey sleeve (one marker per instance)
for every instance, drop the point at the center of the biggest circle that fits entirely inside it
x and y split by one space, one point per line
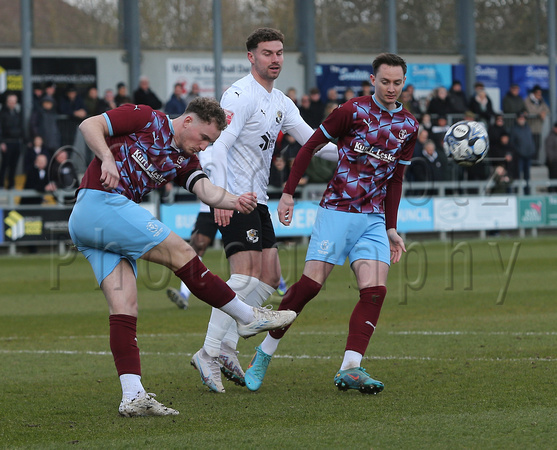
339 122
293 117
128 119
394 188
190 174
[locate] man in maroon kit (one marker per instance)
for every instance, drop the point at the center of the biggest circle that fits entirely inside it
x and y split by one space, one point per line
357 217
139 149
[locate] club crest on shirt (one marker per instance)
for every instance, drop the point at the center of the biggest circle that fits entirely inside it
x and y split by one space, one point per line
374 152
252 236
279 116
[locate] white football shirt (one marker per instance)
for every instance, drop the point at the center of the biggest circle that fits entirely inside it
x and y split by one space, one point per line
257 118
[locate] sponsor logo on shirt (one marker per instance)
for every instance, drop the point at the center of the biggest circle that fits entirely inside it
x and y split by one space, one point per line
374 152
147 168
323 248
154 228
179 161
229 114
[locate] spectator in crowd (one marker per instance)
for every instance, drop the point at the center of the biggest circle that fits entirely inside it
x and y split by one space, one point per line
92 102
366 89
423 137
438 130
497 129
439 103
430 166
537 112
38 93
522 140
332 96
72 106
513 103
316 108
176 104
143 95
408 103
348 94
108 101
50 91
458 103
292 94
194 92
426 122
122 96
501 153
11 135
304 108
36 178
481 105
279 172
551 155
469 115
34 149
414 102
289 148
63 175
501 181
44 122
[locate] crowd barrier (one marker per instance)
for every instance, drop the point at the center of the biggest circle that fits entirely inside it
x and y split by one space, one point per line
465 206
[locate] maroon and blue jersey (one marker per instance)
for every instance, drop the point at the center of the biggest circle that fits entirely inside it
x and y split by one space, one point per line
141 141
371 142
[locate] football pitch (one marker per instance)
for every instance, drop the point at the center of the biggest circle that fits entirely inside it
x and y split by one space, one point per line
466 346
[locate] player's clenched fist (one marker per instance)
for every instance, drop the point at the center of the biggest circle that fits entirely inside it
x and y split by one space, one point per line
246 202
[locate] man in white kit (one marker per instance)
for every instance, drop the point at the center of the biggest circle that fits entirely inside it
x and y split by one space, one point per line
242 155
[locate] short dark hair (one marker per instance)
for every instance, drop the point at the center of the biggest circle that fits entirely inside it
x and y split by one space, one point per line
389 59
208 110
263 35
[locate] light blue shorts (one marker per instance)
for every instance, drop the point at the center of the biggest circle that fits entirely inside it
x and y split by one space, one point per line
107 227
337 235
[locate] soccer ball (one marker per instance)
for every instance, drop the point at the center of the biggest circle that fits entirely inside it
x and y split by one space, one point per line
466 142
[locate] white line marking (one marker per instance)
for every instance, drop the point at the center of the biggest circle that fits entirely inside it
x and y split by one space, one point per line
297 357
317 333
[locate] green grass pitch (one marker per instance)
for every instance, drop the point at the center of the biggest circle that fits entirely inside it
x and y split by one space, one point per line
466 347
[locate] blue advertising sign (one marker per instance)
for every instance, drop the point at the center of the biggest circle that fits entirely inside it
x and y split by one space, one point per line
341 77
180 218
527 76
415 215
302 220
429 76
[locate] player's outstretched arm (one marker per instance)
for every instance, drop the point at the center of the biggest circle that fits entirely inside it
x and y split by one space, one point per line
397 245
220 198
94 130
285 209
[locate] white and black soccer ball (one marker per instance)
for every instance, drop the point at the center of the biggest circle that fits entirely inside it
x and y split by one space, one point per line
466 142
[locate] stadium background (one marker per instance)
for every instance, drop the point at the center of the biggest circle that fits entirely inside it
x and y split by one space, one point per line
176 41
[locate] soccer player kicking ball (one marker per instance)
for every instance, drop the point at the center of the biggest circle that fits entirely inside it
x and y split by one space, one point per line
357 217
137 150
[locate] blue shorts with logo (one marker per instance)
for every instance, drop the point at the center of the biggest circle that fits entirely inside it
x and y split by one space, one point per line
338 235
108 227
